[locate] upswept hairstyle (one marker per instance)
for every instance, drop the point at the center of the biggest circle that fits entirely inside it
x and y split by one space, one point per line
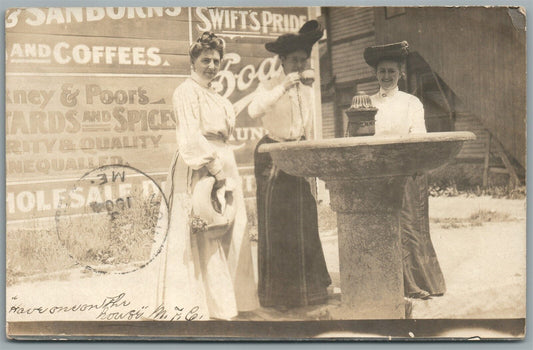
206 41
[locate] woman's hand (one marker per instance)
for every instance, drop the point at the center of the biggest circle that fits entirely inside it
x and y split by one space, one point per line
220 182
307 77
221 187
221 197
290 80
220 191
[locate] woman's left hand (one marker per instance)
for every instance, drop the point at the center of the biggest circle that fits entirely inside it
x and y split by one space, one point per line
221 197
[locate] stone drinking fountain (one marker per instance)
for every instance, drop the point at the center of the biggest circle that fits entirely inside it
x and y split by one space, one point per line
365 176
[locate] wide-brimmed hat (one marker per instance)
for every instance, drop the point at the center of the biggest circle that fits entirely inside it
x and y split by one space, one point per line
306 37
216 224
395 52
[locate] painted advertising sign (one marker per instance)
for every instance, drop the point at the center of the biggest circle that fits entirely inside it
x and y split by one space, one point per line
88 87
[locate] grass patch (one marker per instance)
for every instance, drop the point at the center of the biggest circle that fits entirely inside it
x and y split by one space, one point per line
476 219
112 234
34 251
506 192
105 238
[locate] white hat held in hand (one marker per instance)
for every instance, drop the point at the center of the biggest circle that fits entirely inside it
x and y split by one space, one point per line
203 198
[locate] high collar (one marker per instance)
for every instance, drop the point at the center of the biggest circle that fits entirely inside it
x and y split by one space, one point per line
205 83
388 93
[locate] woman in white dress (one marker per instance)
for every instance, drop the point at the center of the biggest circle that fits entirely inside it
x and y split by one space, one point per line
214 275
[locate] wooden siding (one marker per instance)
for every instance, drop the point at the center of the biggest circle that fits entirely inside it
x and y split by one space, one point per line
328 120
350 31
348 62
479 54
473 149
369 88
349 21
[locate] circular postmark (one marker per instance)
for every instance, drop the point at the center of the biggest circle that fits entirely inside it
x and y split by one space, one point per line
113 220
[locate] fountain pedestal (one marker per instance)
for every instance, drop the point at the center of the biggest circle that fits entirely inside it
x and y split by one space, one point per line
369 246
365 177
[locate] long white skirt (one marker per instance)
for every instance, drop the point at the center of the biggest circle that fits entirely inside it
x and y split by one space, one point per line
213 276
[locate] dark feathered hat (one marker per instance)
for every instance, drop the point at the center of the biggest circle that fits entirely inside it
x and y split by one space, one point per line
395 52
306 37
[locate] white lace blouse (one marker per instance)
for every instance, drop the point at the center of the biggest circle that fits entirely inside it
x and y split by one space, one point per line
201 114
286 115
399 113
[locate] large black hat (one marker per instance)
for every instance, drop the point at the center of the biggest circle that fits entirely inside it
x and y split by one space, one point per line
307 36
395 52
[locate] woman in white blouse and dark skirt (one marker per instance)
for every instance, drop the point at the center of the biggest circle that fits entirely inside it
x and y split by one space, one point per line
292 268
400 113
214 275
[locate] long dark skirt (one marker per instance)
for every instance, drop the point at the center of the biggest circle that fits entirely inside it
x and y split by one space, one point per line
292 268
421 269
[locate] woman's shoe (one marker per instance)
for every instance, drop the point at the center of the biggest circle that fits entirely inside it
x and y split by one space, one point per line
420 295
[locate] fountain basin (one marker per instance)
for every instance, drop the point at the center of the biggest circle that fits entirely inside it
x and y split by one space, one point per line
365 177
367 156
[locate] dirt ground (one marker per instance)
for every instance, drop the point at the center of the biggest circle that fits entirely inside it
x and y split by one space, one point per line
484 267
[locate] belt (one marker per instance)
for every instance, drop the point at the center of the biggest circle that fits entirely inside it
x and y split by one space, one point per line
281 139
215 137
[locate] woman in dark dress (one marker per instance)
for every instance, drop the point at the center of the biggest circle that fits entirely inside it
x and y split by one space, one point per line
400 113
292 268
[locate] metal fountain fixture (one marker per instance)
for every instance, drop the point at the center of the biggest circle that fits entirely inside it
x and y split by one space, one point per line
361 116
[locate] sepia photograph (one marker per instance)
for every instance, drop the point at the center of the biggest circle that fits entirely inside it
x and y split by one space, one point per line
265 173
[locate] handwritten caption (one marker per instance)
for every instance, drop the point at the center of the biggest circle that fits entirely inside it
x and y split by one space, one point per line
113 308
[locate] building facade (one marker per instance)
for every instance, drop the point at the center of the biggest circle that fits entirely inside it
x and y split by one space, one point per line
466 64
